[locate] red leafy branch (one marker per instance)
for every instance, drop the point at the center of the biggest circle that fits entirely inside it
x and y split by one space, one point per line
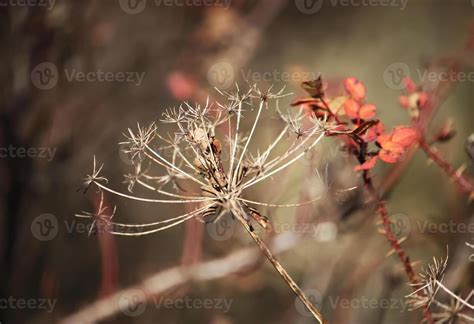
364 137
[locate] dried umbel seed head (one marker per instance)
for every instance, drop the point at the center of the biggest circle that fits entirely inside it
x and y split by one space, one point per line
197 148
202 134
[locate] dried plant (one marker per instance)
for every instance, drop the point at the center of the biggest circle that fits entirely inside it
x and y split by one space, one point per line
427 289
197 159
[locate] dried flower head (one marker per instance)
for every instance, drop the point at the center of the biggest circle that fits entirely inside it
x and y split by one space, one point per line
426 296
196 157
203 136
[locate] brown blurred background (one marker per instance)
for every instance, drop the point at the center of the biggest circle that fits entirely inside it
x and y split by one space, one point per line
180 52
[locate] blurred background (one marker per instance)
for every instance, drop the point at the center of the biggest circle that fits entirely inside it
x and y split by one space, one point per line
76 74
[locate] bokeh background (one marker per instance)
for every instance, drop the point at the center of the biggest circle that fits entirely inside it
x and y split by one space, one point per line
179 51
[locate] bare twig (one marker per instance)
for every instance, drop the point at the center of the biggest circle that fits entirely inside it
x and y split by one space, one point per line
173 277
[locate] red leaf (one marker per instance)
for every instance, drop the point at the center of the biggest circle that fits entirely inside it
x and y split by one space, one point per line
367 111
404 136
367 165
351 108
389 156
355 88
384 138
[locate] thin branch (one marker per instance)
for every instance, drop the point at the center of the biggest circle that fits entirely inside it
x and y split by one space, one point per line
464 184
163 281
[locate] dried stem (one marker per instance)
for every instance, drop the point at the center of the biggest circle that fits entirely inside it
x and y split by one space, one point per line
394 243
463 184
283 273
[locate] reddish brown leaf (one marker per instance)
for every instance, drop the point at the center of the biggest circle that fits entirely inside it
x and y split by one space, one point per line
355 88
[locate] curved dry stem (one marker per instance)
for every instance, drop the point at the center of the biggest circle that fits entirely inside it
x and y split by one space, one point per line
283 273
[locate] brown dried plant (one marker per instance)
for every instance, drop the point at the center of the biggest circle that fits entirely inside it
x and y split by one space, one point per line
197 157
430 285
